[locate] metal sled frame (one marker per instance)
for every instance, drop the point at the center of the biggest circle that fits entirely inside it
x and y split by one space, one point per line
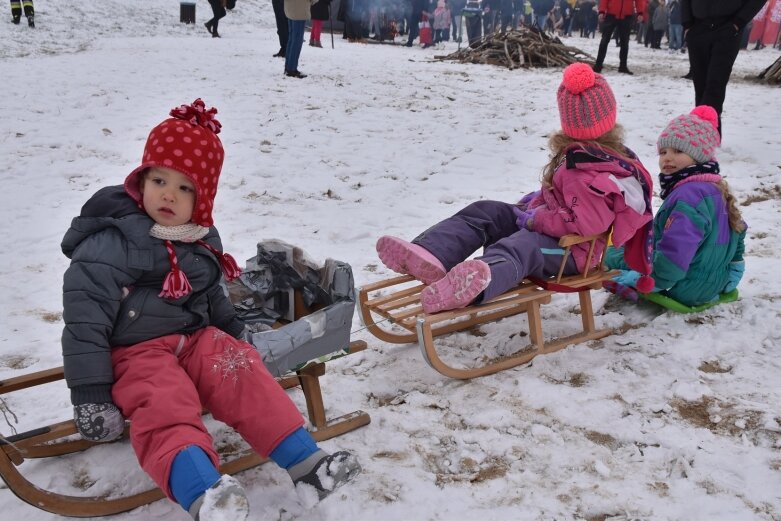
61 438
396 302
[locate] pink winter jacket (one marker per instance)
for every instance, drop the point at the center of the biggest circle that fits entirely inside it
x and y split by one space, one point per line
592 191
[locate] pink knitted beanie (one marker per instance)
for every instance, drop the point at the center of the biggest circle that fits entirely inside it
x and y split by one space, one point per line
587 106
695 134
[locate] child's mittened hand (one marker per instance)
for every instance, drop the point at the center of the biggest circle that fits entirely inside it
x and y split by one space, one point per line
525 219
99 421
523 204
736 270
627 278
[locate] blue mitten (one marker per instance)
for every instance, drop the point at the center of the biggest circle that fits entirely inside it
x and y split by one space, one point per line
98 421
628 278
736 270
525 219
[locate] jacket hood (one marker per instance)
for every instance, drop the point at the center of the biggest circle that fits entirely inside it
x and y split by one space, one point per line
110 207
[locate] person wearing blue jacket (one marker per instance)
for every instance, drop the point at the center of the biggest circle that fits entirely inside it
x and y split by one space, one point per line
698 231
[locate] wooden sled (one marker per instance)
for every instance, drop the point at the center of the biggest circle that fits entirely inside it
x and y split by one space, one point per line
62 438
396 302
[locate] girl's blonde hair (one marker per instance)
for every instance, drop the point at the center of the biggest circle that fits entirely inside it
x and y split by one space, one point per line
735 218
611 141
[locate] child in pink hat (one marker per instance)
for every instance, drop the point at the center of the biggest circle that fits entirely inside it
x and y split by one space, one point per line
151 336
592 182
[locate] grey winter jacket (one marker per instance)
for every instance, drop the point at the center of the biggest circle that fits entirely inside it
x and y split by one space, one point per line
719 12
110 290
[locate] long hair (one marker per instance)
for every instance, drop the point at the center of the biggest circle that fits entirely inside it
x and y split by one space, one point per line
611 141
735 218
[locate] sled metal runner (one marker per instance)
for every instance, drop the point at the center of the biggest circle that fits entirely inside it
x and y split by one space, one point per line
396 302
62 438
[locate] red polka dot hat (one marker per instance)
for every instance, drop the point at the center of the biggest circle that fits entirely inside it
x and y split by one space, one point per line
186 142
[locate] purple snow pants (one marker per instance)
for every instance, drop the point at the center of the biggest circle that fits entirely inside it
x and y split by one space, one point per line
513 254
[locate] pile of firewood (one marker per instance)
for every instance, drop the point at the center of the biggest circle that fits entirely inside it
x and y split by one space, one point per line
773 73
523 47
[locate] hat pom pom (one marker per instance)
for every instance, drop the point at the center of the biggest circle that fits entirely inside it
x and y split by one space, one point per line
578 77
645 284
197 115
706 113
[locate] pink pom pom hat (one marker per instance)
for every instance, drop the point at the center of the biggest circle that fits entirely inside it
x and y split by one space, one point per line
587 106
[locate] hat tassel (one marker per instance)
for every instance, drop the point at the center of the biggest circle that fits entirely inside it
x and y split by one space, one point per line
175 285
229 267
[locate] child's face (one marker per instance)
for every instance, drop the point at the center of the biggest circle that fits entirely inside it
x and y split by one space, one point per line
169 196
671 160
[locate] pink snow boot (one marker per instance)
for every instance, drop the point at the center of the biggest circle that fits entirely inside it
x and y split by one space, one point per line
458 288
409 259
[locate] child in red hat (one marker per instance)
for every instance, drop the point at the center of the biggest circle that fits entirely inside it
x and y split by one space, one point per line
151 336
593 182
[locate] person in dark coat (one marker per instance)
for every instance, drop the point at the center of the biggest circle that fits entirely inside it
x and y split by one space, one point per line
320 12
282 30
617 15
712 34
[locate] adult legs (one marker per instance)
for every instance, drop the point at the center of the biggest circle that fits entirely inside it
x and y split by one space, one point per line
282 28
218 11
624 26
295 42
607 32
412 21
541 20
712 54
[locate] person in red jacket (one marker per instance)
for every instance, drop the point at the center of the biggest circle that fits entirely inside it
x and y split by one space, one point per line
617 15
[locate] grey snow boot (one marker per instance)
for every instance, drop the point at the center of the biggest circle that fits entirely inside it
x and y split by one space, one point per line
225 499
325 472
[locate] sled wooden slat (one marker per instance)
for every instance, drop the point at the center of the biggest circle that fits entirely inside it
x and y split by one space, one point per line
61 438
390 309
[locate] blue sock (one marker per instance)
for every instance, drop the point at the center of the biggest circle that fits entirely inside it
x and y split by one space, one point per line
192 473
298 446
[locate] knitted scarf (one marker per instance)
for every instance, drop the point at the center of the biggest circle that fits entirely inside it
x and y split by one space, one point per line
176 285
707 172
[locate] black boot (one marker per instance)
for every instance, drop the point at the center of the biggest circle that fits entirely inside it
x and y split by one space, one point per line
31 21
16 19
208 26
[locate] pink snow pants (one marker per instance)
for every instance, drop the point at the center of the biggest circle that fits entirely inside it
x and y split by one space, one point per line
163 384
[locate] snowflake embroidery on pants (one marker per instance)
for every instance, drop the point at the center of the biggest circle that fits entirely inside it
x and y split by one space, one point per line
231 361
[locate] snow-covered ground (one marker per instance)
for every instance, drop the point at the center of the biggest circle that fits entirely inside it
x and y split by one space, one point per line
676 417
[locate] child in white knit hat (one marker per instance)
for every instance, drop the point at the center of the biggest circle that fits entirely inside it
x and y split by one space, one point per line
698 231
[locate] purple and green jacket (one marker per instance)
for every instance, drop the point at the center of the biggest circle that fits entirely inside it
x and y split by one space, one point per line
693 244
